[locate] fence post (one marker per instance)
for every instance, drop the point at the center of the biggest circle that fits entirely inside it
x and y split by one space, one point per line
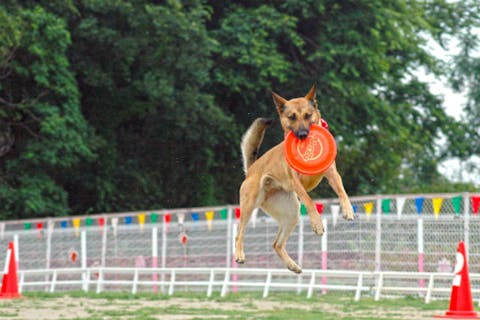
104 244
164 252
83 245
16 248
421 282
378 237
324 255
228 262
48 249
155 256
49 245
300 241
466 220
234 264
300 251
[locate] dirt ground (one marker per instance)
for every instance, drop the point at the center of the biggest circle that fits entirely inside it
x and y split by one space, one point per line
64 308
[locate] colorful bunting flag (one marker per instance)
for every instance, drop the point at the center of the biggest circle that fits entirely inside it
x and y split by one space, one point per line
224 213
181 217
457 204
128 220
167 219
209 217
39 229
27 225
419 204
386 205
64 224
475 204
101 222
237 213
319 206
303 209
141 220
437 205
88 221
115 226
400 205
76 225
335 211
153 217
355 208
195 216
368 208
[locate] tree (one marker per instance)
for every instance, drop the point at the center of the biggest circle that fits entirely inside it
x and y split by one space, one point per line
464 77
130 105
40 104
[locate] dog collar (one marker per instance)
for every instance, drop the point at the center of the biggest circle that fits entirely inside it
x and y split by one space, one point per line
324 123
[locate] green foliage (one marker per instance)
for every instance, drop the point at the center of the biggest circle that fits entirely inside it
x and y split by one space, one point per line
42 106
124 105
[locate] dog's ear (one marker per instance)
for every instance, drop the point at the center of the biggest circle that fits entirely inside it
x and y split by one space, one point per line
311 95
279 102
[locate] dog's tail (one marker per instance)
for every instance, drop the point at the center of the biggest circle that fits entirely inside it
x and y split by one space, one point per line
252 139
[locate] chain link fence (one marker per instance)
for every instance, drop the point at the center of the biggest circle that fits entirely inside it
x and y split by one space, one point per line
390 233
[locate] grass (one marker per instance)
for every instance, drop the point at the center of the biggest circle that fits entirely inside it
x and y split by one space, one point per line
278 306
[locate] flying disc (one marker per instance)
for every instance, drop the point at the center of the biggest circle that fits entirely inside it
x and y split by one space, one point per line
312 155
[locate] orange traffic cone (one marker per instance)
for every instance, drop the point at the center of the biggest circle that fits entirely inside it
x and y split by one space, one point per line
461 302
9 282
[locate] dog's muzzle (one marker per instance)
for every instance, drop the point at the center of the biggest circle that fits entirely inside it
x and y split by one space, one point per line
301 134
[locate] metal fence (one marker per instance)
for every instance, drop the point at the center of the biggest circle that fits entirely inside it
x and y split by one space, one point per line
408 233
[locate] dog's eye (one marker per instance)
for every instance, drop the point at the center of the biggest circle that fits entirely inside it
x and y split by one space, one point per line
308 116
292 117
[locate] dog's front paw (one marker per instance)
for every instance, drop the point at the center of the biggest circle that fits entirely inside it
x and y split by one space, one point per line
317 227
348 214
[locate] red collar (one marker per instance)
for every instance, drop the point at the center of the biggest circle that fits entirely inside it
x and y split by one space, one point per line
324 123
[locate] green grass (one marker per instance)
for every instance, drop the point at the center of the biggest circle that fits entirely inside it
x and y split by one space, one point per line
195 306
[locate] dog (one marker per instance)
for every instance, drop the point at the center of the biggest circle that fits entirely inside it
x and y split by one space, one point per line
272 185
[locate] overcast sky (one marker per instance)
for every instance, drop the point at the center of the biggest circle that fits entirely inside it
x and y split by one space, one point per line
454 169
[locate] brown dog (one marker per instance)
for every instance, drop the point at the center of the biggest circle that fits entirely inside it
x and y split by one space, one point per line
274 186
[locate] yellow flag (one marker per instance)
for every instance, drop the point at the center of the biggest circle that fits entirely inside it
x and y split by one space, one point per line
76 225
209 216
141 220
368 208
437 205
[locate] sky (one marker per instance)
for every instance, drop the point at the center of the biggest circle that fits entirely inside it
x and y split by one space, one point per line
453 169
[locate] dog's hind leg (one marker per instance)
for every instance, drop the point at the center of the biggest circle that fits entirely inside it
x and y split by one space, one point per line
284 207
249 191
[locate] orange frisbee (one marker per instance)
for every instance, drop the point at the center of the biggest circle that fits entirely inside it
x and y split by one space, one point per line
312 155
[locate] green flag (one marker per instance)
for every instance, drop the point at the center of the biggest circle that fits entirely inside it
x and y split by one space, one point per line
303 210
386 205
224 213
457 204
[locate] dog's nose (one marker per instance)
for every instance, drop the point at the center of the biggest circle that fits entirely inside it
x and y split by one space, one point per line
302 134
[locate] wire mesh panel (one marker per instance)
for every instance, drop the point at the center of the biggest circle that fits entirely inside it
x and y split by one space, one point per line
391 233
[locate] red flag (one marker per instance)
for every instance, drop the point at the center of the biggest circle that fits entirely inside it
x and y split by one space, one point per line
167 218
475 204
319 206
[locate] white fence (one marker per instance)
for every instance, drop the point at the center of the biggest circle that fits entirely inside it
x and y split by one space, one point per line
225 280
403 233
